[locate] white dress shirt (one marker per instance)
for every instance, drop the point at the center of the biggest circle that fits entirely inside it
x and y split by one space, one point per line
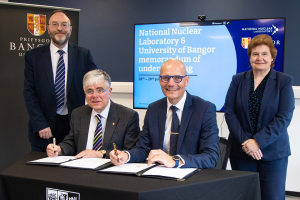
93 125
54 59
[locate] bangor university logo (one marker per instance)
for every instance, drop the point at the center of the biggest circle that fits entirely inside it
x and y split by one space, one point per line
36 24
246 42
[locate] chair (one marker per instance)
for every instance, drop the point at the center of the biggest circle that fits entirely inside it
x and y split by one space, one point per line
224 151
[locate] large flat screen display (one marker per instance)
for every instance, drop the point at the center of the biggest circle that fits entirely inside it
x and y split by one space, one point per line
213 51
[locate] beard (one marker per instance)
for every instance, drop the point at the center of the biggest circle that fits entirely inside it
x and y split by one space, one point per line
60 41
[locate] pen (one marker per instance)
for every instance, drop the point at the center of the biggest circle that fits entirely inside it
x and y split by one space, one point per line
54 143
116 151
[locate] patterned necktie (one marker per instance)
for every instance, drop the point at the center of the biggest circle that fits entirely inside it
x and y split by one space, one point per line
97 144
59 85
174 131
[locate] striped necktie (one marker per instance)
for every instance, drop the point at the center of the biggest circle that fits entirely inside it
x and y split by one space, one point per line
59 85
174 131
97 144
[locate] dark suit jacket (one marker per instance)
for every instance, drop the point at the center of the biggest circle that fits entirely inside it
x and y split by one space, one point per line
198 141
39 94
122 128
275 115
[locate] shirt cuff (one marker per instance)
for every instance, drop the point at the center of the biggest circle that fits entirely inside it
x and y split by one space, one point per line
128 156
61 153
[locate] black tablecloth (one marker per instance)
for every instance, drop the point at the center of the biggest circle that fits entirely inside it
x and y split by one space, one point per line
21 181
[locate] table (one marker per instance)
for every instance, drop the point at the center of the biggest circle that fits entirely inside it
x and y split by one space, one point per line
21 181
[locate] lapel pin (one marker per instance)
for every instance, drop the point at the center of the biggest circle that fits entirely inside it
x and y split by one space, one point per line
113 123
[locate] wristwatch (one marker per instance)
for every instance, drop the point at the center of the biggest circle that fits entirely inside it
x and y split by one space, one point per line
103 152
176 159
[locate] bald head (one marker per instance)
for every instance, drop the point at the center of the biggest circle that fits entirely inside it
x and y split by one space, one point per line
173 64
174 91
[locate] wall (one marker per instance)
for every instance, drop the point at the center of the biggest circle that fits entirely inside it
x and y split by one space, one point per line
123 94
106 27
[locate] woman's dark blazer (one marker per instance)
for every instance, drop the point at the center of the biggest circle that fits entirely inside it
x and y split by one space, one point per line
275 115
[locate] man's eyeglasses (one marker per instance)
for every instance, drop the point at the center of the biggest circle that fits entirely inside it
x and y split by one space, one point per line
176 78
97 91
63 25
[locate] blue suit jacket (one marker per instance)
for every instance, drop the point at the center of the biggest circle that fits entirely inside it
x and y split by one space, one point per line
275 115
198 141
39 94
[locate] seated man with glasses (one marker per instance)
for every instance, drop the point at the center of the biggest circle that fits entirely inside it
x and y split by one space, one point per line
179 130
96 126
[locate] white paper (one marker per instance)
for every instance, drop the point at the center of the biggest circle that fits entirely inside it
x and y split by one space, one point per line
87 163
163 171
55 159
128 168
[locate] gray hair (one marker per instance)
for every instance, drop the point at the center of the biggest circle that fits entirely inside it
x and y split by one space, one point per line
96 76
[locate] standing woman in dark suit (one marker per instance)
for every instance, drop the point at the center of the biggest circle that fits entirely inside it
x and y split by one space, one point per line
258 109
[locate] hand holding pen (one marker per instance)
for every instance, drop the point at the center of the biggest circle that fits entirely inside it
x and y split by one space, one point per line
118 157
116 152
53 149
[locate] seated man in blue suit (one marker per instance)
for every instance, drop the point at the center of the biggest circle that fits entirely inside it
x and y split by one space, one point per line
179 130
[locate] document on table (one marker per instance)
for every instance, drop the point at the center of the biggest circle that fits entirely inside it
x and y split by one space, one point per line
129 168
154 171
178 173
56 160
88 163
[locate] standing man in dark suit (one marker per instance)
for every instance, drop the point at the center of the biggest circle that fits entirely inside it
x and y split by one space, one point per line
53 83
96 126
179 130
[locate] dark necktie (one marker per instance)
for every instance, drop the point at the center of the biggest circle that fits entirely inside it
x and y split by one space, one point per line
97 144
174 131
59 85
